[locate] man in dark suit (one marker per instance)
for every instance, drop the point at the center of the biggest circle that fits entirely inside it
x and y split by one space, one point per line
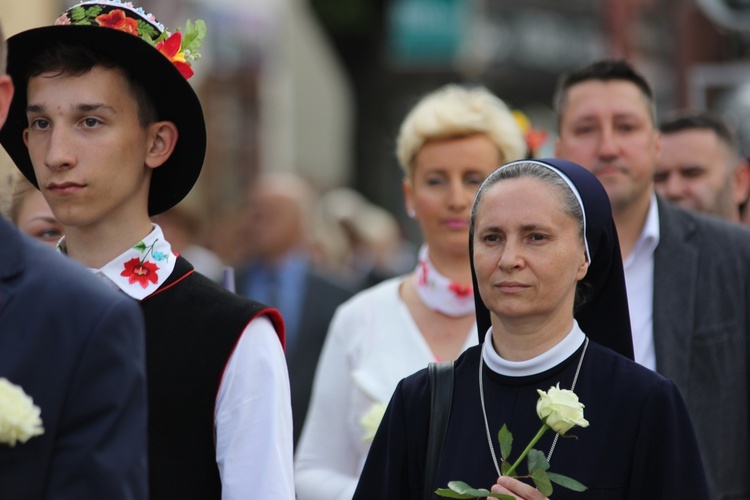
77 349
281 273
687 275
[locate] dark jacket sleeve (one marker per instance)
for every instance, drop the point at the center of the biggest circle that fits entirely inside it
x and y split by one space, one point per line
101 448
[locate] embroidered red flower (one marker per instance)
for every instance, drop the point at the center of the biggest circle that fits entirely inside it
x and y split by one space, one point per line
118 20
140 272
460 290
171 49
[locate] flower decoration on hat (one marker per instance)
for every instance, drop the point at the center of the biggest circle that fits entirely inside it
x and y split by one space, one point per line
535 138
180 47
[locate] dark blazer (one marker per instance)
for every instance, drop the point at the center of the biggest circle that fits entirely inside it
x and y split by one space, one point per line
77 348
322 296
701 333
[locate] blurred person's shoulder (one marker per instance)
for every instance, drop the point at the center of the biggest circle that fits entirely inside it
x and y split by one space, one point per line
707 231
385 294
40 269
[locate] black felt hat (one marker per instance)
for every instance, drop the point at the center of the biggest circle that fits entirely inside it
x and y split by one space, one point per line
134 40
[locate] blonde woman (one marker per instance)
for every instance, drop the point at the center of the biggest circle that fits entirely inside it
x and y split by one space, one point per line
448 144
31 213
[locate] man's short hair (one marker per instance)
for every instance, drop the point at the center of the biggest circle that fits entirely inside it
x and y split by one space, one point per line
703 120
605 71
77 60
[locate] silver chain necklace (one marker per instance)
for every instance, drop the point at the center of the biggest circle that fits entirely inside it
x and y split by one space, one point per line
484 410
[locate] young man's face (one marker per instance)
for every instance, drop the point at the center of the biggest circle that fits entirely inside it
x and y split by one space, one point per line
88 147
606 127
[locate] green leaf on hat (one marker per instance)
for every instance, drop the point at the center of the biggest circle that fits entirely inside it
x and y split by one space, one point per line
147 32
77 14
94 11
192 37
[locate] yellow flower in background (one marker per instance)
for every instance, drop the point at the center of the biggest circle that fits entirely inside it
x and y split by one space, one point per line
19 417
560 409
370 421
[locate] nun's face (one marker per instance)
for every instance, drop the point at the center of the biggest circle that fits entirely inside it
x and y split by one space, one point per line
441 189
528 254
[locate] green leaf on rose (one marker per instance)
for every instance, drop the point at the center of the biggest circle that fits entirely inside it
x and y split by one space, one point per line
505 438
542 482
459 489
537 460
565 481
141 246
505 467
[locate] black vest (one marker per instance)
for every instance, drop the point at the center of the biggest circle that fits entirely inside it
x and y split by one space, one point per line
192 327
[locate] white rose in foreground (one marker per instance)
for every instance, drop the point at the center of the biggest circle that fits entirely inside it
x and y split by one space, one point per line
370 421
560 409
19 418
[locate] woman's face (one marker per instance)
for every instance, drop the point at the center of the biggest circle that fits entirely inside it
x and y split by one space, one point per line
445 178
528 254
36 219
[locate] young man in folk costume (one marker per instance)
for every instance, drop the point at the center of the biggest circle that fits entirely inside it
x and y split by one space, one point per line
106 125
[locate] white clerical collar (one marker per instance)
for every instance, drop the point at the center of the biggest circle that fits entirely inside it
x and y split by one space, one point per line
545 361
142 269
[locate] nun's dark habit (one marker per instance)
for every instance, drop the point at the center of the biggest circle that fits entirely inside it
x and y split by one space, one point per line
639 444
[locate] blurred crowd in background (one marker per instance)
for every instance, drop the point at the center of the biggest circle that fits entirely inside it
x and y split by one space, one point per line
317 88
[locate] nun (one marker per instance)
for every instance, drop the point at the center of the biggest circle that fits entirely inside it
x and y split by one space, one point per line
551 311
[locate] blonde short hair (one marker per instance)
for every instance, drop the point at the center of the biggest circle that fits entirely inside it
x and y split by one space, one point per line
457 111
22 189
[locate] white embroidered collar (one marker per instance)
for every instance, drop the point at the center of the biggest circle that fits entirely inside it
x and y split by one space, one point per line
545 361
140 270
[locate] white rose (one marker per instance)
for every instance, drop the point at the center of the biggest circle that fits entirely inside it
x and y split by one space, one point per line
370 421
560 409
19 418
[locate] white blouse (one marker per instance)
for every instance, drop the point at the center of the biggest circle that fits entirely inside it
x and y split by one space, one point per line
372 343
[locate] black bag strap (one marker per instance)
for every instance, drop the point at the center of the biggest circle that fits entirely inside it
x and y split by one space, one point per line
441 390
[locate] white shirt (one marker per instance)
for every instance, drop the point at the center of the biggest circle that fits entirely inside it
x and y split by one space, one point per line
639 281
372 343
253 413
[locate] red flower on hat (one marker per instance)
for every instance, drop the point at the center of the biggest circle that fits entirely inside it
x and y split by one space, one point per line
171 49
141 272
118 20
